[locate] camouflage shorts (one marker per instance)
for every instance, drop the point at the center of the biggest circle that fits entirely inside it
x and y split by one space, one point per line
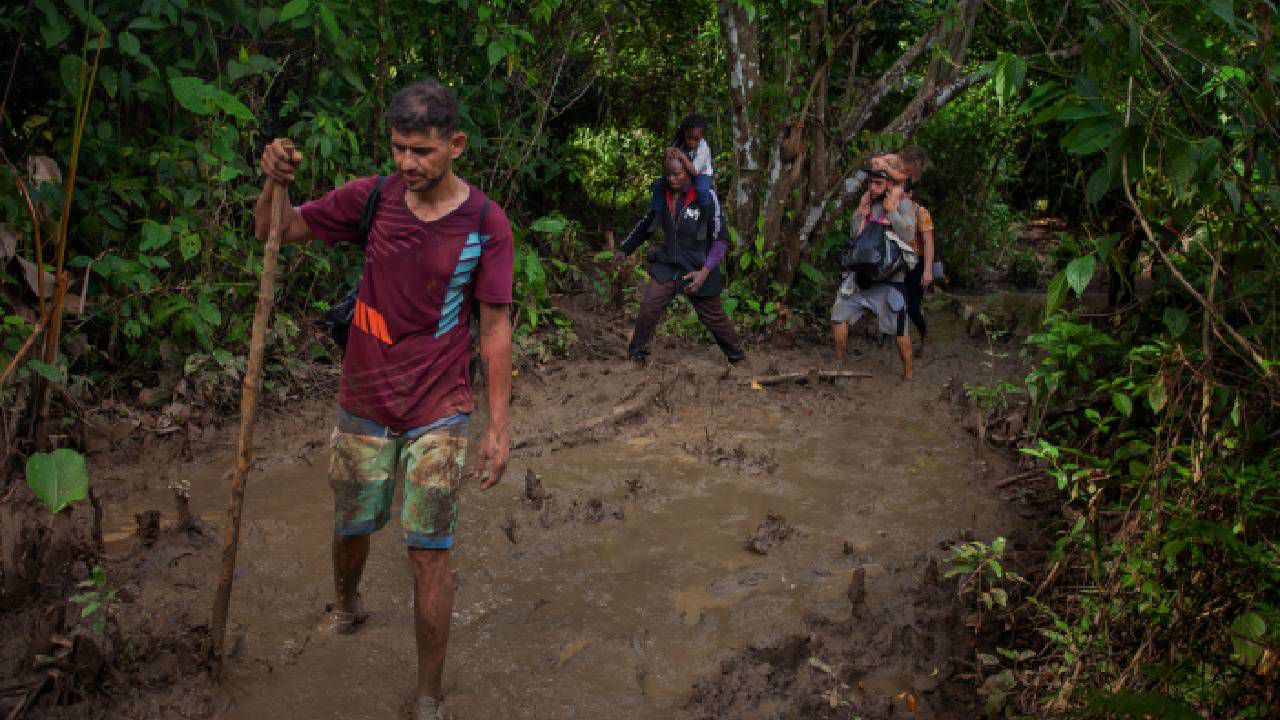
367 458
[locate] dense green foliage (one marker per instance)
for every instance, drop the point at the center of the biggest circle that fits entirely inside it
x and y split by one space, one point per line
1156 421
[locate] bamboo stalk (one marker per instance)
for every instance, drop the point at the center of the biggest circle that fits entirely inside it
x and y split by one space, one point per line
248 412
39 427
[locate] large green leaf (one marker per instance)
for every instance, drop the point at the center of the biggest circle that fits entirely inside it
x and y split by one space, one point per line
1123 403
154 235
58 478
548 224
193 94
1080 272
330 24
1099 184
202 98
1056 294
52 373
129 43
189 245
69 70
293 9
1091 135
55 28
495 52
1176 320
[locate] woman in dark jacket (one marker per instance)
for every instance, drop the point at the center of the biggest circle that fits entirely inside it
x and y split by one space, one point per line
688 261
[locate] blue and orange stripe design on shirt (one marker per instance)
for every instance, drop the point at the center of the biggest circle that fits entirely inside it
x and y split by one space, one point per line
467 261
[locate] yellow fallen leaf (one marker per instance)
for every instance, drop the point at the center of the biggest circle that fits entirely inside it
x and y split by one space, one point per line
515 373
902 695
755 385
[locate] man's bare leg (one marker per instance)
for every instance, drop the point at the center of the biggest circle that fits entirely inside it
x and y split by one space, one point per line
840 334
349 555
432 610
904 351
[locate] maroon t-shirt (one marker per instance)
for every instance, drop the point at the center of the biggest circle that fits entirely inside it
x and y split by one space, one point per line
409 348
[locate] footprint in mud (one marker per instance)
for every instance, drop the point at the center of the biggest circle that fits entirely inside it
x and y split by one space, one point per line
585 510
773 531
737 458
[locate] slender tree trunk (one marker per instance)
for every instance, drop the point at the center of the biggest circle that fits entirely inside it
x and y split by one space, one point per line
743 54
380 92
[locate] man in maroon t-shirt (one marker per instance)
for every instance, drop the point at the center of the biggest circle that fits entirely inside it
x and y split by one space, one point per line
437 245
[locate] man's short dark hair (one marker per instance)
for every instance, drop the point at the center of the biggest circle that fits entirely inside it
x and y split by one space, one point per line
422 106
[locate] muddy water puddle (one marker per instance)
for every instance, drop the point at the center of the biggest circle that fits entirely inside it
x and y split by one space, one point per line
629 583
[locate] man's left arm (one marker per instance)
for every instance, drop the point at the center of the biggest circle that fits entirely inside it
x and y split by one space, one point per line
718 240
495 350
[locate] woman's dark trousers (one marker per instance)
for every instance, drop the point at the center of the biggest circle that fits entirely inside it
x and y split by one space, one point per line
657 295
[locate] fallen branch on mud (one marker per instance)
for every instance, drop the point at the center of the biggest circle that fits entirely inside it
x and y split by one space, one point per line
811 377
618 414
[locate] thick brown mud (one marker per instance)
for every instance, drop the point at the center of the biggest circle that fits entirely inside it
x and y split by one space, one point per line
626 567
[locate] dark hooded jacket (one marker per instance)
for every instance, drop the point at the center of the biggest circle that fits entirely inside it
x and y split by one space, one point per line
690 232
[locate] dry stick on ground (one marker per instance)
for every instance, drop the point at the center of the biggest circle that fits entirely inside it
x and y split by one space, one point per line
248 412
618 414
810 375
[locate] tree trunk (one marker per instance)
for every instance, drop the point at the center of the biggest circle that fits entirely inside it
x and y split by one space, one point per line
380 91
743 55
842 184
809 180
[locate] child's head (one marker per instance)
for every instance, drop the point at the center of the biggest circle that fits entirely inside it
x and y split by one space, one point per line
915 159
691 131
891 165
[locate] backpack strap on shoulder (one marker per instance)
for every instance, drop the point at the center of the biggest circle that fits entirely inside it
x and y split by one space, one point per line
484 210
371 206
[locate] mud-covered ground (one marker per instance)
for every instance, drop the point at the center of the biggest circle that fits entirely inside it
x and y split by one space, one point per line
670 541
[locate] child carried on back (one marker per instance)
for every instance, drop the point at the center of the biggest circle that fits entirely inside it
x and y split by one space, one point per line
690 147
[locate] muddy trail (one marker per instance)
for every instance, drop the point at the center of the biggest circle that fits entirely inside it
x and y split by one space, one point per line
670 541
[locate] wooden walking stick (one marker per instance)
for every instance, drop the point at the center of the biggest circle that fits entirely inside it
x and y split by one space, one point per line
248 412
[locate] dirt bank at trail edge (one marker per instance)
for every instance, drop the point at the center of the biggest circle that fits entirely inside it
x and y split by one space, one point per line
610 574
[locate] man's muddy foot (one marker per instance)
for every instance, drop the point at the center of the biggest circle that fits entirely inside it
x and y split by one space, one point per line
428 708
339 622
